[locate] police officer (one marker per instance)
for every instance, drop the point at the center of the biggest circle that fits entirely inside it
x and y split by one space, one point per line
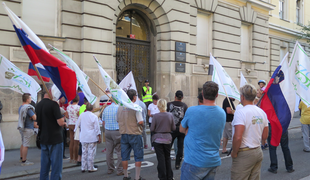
147 93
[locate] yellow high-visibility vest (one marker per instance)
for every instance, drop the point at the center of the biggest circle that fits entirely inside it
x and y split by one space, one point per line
148 95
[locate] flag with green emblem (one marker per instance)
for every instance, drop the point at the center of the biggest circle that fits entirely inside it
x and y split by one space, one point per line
11 77
118 94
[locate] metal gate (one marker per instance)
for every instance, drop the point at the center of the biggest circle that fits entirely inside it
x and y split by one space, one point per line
133 55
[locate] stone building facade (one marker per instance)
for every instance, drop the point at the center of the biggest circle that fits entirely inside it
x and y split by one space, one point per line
165 41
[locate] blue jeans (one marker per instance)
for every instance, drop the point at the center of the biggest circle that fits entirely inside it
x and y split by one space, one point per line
192 172
129 142
51 155
285 150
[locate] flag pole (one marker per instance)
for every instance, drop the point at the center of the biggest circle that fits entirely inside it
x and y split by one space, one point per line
44 86
102 90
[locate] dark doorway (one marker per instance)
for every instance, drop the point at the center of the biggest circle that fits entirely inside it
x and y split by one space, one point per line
132 48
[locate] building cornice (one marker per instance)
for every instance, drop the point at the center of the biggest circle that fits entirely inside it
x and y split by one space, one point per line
263 4
284 30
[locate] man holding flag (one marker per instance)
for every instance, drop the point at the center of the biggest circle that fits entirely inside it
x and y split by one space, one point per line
278 102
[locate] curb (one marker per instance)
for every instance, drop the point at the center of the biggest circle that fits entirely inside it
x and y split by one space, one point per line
37 171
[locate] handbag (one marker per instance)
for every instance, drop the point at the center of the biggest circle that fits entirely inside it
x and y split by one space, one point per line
77 134
38 142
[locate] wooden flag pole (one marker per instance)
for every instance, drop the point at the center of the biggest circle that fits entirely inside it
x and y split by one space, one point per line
44 86
102 90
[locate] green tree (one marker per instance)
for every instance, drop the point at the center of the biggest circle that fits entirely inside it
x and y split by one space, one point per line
306 32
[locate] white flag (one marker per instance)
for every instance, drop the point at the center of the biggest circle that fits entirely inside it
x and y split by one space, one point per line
128 82
80 76
299 66
11 77
221 77
242 80
2 150
118 94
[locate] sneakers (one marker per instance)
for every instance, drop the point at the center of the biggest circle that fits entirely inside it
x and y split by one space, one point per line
127 178
65 158
27 163
78 163
93 170
306 150
153 149
145 146
105 149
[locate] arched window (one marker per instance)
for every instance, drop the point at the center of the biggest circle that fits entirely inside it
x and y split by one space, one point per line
131 23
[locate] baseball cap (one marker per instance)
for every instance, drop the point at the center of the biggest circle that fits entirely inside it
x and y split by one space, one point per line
179 94
200 97
146 80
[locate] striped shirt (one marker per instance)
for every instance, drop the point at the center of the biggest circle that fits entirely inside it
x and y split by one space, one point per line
109 116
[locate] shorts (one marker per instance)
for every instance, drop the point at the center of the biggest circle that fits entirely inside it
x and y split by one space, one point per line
26 135
129 142
227 130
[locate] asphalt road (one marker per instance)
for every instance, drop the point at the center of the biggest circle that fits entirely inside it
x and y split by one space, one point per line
149 171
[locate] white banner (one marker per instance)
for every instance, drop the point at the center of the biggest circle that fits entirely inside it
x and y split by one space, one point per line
221 77
11 77
299 65
128 82
80 76
242 80
118 94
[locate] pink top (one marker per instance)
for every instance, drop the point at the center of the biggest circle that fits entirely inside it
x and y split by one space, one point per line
73 111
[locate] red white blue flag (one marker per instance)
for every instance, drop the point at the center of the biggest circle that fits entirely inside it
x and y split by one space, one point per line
42 71
62 76
278 101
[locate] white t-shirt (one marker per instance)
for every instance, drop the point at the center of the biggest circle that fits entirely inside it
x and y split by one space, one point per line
154 110
239 106
255 120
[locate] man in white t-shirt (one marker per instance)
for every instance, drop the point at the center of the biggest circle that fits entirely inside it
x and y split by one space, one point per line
250 127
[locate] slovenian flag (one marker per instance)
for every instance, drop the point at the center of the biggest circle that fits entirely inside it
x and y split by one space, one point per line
62 76
278 101
42 71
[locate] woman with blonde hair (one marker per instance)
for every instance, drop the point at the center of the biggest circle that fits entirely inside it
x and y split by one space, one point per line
162 125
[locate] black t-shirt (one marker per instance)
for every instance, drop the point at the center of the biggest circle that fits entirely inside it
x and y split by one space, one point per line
178 110
48 112
229 117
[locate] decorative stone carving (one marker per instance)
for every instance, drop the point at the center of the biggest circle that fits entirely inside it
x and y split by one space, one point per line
247 14
208 5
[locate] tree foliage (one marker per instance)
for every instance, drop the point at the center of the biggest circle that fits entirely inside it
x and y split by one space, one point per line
306 32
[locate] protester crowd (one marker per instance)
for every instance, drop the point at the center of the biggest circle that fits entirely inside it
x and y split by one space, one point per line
199 130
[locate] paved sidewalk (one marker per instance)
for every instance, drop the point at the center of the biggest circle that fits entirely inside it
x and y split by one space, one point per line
11 167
